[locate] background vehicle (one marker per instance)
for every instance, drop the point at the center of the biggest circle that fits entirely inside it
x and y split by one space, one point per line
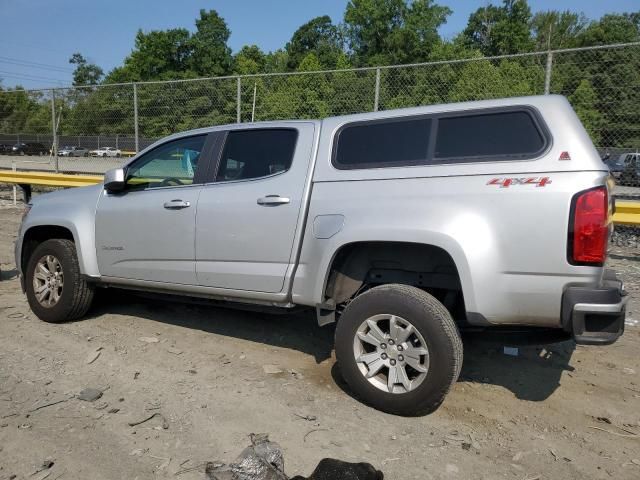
615 166
403 226
106 152
73 151
628 169
30 148
5 148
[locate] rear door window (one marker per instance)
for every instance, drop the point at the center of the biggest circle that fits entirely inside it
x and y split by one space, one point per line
256 153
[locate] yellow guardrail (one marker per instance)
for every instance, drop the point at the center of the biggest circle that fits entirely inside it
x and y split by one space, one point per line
50 179
27 179
627 213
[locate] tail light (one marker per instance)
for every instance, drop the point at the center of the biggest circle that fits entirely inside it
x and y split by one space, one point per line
589 227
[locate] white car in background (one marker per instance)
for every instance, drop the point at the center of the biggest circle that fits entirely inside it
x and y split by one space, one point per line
106 152
73 151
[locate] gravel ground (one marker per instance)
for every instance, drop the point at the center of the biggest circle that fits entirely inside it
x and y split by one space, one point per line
552 412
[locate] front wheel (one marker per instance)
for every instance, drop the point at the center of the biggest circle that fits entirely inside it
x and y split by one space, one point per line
399 349
56 290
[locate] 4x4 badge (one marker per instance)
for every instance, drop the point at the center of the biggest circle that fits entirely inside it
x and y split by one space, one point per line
507 182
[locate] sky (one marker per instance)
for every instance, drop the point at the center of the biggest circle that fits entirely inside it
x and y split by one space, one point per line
38 36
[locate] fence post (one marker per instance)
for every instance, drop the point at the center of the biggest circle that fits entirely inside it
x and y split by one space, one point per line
15 187
135 114
547 73
238 100
376 98
253 107
54 147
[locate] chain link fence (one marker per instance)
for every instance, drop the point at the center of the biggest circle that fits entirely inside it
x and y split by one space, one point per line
602 83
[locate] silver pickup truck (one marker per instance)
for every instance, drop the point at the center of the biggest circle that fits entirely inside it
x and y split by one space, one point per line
402 226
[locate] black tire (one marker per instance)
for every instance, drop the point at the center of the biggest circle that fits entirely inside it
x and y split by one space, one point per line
436 326
77 293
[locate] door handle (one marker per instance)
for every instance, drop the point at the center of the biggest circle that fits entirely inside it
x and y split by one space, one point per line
176 204
273 201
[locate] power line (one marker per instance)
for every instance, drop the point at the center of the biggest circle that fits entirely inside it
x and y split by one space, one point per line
27 63
29 77
42 67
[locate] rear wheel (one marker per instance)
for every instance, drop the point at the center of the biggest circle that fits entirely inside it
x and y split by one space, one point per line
56 290
399 349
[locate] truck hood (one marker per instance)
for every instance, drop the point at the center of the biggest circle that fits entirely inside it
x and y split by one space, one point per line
87 196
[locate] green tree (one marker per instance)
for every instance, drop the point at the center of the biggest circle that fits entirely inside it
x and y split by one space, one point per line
249 60
584 100
298 96
609 74
85 73
482 79
157 55
500 30
554 29
318 36
393 31
612 28
277 61
350 91
23 111
210 54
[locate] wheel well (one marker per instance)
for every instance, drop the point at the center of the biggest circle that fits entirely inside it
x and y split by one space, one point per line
36 235
357 267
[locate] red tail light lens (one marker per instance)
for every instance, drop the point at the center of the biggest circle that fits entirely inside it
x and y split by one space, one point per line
589 230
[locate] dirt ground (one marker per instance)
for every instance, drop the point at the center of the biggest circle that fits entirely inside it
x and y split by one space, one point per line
552 412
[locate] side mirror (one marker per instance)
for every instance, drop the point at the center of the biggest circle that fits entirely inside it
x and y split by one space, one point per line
114 180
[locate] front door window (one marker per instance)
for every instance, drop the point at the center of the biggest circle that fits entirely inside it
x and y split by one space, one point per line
171 164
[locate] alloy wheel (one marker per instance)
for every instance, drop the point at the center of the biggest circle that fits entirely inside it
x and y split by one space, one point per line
48 281
391 353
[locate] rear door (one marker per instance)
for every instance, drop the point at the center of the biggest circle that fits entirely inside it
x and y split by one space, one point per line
249 211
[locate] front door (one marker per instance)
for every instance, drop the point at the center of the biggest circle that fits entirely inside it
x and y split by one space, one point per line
248 215
147 232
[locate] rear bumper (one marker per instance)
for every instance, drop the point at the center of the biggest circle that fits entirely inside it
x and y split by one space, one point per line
595 316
